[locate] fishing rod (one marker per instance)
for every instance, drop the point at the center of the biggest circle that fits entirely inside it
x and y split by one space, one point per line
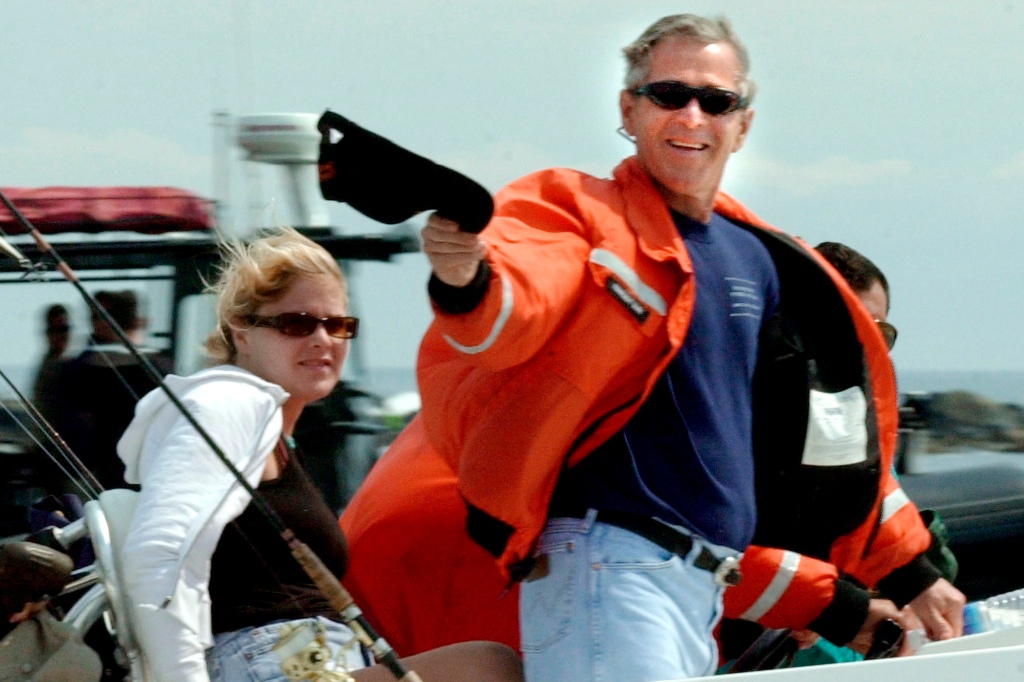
326 582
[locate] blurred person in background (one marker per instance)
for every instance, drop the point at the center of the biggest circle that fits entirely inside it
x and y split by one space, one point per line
99 388
866 280
47 380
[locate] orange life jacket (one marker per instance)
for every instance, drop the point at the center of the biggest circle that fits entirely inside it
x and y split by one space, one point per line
550 364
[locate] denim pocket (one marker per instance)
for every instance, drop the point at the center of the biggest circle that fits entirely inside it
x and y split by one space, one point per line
624 550
246 655
546 604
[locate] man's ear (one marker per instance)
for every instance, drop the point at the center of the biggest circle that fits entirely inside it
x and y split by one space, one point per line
745 123
627 104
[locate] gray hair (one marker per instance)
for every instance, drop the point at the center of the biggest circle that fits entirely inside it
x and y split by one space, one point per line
703 29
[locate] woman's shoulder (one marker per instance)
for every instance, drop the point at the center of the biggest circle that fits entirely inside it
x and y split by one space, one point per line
230 404
224 391
224 383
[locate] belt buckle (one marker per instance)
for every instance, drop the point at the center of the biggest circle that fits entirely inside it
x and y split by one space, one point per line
727 573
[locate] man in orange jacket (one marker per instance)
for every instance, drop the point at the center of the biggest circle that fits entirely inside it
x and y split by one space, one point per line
589 380
409 513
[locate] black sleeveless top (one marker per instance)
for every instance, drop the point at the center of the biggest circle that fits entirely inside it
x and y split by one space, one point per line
253 578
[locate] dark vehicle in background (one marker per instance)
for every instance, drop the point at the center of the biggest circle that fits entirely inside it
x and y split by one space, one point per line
340 436
162 242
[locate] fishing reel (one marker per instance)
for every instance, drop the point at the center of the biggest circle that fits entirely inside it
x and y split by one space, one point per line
305 655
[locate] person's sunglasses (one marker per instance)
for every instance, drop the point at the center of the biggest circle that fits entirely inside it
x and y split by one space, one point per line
304 324
888 333
674 95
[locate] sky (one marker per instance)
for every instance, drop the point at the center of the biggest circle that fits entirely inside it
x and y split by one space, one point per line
894 127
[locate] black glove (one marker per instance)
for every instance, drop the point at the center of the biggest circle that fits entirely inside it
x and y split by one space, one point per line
390 184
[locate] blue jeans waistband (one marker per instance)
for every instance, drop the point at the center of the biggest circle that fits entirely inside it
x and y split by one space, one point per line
726 570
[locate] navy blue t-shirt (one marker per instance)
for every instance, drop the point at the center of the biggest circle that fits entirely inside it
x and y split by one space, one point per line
686 455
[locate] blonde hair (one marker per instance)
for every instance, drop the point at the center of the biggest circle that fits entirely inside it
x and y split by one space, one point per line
259 272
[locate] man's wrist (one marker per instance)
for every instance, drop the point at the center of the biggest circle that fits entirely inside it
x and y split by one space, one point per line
904 584
457 300
843 618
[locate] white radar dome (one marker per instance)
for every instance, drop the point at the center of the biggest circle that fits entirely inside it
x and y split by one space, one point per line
280 138
292 142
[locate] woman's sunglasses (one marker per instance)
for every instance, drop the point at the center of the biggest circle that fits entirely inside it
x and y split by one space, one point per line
674 95
888 333
304 324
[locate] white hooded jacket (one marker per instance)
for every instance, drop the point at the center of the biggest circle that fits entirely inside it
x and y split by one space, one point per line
188 497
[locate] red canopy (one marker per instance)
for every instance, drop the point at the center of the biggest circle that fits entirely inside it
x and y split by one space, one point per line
149 210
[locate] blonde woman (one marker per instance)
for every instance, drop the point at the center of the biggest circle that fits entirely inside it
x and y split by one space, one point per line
213 587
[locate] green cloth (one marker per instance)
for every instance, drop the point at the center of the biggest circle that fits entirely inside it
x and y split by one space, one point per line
823 652
939 553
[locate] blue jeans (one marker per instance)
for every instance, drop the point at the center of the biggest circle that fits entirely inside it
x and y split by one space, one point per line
248 655
616 607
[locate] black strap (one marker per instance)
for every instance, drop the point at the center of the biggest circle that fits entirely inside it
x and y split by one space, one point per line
771 650
672 540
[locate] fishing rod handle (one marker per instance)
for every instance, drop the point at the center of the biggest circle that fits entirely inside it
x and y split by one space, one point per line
342 601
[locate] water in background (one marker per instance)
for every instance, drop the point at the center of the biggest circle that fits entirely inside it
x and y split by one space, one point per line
1004 387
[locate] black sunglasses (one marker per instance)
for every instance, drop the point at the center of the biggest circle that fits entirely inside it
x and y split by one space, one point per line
304 324
888 333
674 95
